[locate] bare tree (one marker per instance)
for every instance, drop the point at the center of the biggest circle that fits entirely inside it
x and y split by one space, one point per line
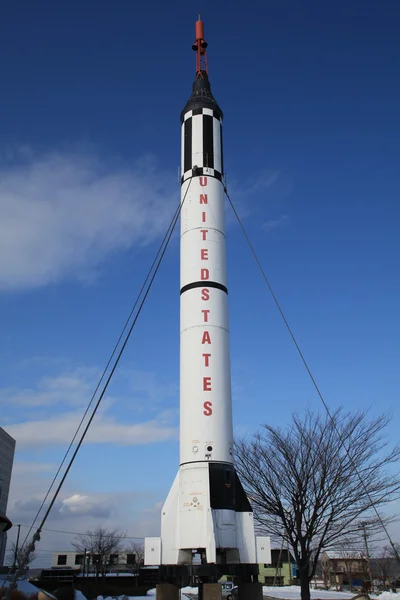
312 483
384 564
138 551
99 544
17 556
394 551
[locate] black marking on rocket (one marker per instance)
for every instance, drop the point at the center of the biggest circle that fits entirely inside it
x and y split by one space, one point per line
187 163
201 98
208 141
204 284
222 148
211 128
226 491
197 171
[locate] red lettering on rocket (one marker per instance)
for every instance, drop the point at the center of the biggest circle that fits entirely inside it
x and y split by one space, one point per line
204 234
206 359
206 339
203 198
204 274
204 254
205 294
206 384
207 409
203 181
205 313
203 217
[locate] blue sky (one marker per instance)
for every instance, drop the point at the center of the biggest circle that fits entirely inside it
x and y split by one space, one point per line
89 153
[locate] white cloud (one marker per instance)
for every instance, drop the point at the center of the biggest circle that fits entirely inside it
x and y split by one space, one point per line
60 428
28 468
53 406
64 213
274 223
79 505
79 511
73 387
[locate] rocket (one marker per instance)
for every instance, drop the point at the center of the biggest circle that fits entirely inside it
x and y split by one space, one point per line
207 513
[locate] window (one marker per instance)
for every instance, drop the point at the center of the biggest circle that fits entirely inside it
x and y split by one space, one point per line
114 559
62 559
79 559
273 580
130 559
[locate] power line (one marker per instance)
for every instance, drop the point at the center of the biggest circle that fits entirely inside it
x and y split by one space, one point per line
311 375
38 550
172 224
125 537
156 264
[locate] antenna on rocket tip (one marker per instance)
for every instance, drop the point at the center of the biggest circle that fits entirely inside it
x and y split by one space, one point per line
199 47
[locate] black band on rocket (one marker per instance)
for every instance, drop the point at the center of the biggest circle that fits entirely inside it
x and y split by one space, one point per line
199 171
204 284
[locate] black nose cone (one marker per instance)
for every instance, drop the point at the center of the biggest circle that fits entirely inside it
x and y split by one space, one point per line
202 97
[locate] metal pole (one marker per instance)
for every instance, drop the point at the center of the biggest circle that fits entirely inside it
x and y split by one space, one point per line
363 525
16 545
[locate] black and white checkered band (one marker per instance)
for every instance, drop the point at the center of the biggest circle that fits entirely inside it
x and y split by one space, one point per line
202 111
197 171
202 143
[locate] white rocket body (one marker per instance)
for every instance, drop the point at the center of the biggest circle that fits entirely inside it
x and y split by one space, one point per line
207 510
205 382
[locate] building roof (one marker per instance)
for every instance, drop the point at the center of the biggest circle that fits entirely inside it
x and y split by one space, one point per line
344 554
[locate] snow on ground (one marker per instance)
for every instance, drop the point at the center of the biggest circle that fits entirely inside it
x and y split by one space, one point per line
150 594
292 592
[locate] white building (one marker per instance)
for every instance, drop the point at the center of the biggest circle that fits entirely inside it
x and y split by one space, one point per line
120 561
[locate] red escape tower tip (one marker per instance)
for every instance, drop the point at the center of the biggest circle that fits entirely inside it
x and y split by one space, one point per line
199 47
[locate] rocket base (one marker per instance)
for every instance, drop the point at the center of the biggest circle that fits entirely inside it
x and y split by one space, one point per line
208 590
184 575
207 528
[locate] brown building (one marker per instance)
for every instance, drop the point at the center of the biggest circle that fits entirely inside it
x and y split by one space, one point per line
344 568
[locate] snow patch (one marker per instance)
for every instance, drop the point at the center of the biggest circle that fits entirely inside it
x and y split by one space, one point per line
150 593
292 592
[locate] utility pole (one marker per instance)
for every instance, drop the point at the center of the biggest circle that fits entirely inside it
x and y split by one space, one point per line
289 559
16 546
364 528
278 569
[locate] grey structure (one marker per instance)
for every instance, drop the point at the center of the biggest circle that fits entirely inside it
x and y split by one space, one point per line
7 448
